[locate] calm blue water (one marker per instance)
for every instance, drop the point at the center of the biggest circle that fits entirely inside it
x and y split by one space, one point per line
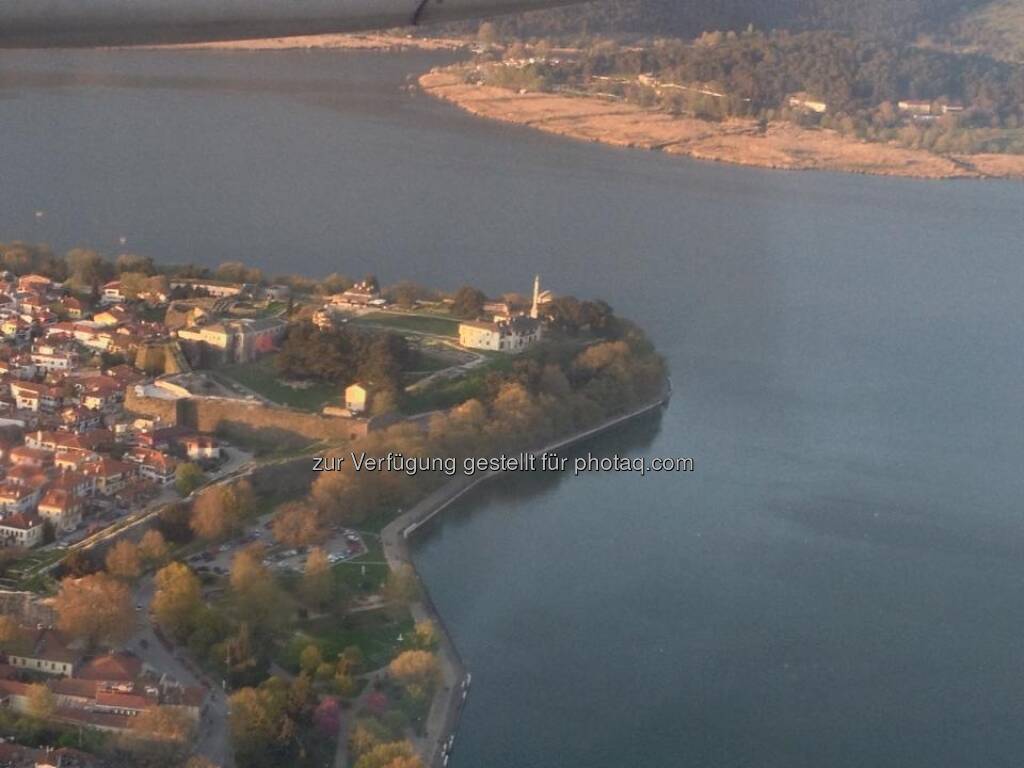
839 584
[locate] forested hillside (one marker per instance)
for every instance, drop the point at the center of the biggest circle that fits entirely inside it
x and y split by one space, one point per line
688 18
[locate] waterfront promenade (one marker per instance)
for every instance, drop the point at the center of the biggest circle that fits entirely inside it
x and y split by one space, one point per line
443 717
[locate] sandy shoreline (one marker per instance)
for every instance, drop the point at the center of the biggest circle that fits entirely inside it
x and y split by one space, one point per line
783 146
446 708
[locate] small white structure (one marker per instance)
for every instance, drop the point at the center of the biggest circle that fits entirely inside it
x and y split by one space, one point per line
357 398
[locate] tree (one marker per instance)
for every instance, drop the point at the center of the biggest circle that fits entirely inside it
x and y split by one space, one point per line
297 524
95 609
187 477
86 268
468 302
425 634
258 595
317 586
416 668
310 659
396 754
79 562
8 629
218 512
130 262
263 730
327 717
153 547
133 284
164 724
40 702
177 599
124 561
175 523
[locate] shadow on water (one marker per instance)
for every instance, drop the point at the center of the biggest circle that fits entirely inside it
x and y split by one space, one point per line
627 440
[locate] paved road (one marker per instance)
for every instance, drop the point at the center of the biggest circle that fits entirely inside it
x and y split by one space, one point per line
213 740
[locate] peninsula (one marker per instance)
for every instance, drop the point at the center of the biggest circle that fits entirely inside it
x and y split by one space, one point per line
740 141
210 479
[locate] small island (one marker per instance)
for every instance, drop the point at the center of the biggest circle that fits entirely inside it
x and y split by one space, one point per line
210 481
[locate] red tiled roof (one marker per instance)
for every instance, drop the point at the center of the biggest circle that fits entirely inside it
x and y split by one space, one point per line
120 667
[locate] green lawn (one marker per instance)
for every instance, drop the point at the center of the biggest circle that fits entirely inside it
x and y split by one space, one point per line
430 324
447 393
375 633
262 377
349 573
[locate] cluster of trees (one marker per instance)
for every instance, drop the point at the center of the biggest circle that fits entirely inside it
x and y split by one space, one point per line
268 720
753 74
849 73
631 19
540 396
343 356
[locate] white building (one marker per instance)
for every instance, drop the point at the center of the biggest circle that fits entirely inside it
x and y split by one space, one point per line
512 335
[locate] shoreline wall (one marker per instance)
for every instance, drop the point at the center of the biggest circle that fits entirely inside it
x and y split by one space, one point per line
447 706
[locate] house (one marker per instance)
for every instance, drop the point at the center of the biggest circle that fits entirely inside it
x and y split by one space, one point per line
111 669
34 305
110 475
77 482
26 477
362 294
50 359
109 318
62 508
78 418
24 456
277 292
807 103
915 107
72 307
16 329
101 393
42 650
201 448
20 530
112 293
512 335
215 288
153 465
18 499
34 283
29 396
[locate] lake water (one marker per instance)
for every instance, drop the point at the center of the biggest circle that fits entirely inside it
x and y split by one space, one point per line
841 581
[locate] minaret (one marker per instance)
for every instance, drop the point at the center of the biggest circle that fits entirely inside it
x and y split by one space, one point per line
535 308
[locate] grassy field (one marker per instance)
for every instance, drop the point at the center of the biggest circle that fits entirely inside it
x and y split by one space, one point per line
262 378
445 394
430 324
349 573
375 633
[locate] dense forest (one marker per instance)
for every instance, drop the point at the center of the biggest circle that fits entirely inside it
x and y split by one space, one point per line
971 103
848 73
688 18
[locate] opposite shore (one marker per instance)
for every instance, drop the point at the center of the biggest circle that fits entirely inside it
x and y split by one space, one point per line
446 708
783 146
